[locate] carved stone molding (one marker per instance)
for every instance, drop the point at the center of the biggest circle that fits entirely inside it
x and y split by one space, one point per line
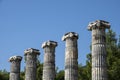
71 35
98 24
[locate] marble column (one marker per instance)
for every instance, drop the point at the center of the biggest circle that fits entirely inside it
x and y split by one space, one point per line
15 67
99 66
49 60
71 56
31 63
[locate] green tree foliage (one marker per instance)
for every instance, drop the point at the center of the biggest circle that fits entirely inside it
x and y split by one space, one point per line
4 75
113 55
88 67
22 75
82 72
39 70
60 75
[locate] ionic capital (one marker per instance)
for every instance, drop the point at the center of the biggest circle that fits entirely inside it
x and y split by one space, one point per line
15 58
70 35
49 43
31 51
98 24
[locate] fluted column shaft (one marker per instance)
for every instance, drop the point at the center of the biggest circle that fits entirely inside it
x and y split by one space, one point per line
99 65
31 63
15 67
49 60
71 56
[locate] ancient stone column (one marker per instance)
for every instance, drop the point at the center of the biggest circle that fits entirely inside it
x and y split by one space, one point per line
99 66
49 60
15 67
71 56
31 63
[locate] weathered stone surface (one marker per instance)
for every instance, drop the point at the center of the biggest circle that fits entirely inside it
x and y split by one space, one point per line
15 67
31 62
31 51
49 43
71 56
49 60
99 66
98 24
70 35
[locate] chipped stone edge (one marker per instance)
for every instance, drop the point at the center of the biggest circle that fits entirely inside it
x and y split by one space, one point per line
49 43
31 50
70 35
13 58
98 24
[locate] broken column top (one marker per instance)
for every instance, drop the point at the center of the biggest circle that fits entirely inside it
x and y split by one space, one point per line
31 51
70 35
15 58
49 43
98 24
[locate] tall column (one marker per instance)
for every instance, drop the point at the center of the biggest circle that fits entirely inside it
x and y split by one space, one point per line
31 63
99 66
71 56
49 60
15 67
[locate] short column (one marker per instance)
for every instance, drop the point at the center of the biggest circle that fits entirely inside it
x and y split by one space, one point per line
49 60
71 56
31 63
15 67
99 65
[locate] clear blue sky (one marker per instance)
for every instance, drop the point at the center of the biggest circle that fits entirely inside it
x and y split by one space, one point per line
28 23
